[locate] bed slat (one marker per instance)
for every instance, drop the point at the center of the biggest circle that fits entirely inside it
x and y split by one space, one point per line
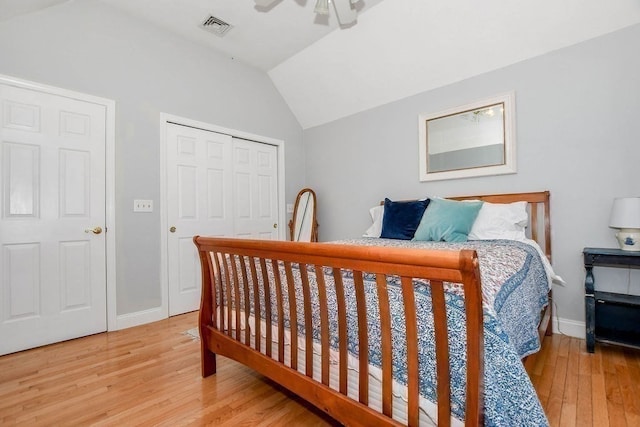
227 297
293 319
267 305
211 294
442 353
363 339
256 302
409 301
534 221
342 329
245 299
308 332
278 286
324 324
236 295
385 327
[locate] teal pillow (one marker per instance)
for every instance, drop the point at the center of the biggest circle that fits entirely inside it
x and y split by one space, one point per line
447 221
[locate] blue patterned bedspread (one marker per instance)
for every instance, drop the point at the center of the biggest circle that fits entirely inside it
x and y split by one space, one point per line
515 286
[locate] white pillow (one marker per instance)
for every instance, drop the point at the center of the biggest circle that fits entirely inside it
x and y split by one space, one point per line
500 221
377 212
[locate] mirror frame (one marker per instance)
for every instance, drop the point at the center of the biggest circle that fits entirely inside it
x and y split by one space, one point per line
509 140
314 222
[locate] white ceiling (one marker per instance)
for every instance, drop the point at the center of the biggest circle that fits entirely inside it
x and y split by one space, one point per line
262 37
403 47
397 48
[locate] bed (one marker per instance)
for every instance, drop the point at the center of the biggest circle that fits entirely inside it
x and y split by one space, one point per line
378 332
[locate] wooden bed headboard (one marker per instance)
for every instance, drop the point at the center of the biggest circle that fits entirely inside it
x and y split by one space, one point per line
540 231
538 207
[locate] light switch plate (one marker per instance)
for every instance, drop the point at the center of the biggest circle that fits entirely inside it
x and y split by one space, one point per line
289 208
142 205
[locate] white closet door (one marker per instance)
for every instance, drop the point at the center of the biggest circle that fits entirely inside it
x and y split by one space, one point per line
199 203
52 218
216 186
255 177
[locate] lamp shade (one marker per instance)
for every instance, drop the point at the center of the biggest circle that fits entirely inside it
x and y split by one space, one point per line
625 213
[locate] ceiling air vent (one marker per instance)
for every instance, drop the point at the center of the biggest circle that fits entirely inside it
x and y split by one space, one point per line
216 26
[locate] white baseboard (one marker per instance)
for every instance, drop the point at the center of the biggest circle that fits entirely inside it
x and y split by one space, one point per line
572 328
140 318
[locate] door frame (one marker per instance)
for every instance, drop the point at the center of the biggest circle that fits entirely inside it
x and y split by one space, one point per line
165 120
110 181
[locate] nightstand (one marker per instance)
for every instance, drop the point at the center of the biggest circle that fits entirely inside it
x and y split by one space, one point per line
610 317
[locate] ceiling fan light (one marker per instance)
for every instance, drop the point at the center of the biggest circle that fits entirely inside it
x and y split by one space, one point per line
346 14
322 7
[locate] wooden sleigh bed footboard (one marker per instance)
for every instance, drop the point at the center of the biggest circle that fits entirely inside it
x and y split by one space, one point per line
327 320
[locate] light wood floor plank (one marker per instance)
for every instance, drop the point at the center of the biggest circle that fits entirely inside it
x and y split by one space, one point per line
570 396
584 416
615 405
150 376
584 409
546 380
632 388
555 401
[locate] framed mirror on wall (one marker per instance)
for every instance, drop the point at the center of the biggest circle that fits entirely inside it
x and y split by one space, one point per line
303 226
477 139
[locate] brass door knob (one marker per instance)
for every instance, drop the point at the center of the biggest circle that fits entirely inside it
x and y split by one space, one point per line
172 229
275 225
94 230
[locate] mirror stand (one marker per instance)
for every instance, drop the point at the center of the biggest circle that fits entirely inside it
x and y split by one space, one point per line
303 227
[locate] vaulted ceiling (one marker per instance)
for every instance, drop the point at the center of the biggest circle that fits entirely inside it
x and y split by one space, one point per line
396 49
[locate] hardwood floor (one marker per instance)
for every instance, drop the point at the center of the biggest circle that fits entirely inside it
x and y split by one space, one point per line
581 389
150 375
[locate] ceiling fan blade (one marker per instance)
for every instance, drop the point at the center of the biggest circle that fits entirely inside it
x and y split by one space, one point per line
345 13
265 3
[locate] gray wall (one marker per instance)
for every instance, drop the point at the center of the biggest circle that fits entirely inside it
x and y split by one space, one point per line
578 135
88 47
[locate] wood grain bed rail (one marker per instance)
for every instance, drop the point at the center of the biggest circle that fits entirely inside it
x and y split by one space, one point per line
234 271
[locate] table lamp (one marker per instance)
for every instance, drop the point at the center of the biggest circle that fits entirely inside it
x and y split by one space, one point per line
625 215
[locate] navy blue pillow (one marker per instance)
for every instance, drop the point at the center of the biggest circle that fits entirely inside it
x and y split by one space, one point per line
401 219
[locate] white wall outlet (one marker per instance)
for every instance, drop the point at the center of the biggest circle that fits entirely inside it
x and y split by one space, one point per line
143 205
289 208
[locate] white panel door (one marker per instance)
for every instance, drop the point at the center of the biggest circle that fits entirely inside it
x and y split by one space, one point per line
52 216
255 177
216 186
199 203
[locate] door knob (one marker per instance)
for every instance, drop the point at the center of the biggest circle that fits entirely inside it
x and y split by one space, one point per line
94 230
275 225
172 229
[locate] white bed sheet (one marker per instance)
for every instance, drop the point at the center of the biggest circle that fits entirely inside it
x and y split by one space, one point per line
428 410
